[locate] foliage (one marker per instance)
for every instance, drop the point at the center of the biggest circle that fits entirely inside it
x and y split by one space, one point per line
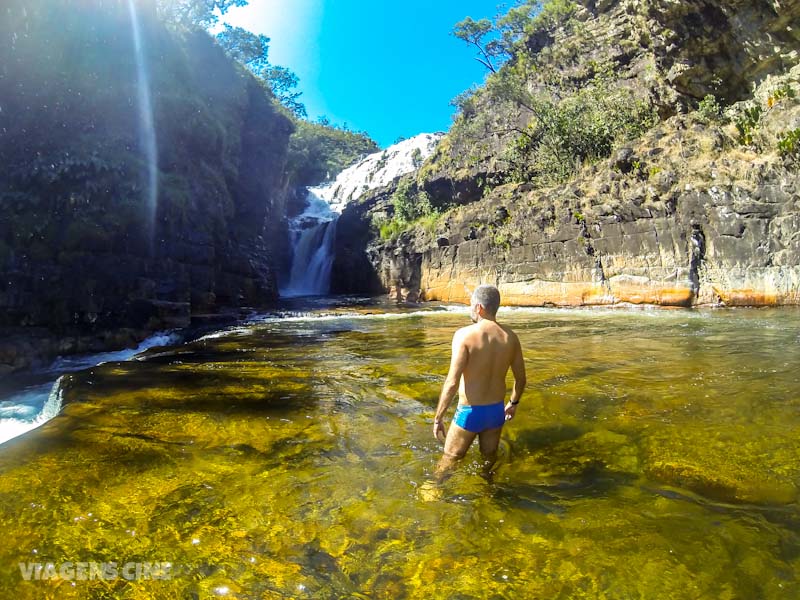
382 162
709 110
252 50
789 144
511 85
416 158
475 33
408 203
389 229
782 92
195 14
584 127
245 47
319 151
746 124
498 40
283 84
466 102
551 14
412 207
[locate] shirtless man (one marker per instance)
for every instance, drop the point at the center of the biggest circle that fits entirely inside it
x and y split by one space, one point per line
482 355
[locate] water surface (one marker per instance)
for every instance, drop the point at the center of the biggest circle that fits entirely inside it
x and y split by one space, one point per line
656 454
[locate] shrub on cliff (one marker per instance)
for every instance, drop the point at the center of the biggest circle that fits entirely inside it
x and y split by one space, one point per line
410 204
540 125
584 127
411 207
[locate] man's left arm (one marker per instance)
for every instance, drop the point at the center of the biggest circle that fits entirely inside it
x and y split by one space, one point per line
458 363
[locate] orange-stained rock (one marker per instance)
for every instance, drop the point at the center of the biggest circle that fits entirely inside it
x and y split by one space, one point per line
750 297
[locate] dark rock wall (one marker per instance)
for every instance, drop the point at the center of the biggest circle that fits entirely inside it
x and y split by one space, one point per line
75 255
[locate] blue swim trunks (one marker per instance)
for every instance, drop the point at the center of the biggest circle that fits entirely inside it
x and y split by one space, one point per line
480 417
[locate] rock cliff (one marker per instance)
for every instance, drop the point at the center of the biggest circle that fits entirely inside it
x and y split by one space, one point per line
701 207
78 262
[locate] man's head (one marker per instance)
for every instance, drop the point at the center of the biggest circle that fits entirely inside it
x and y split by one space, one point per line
485 302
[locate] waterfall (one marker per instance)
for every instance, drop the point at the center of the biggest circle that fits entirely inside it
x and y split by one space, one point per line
313 234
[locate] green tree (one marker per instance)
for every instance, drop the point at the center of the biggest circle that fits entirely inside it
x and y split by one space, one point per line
252 51
284 85
505 36
249 49
195 14
478 34
409 203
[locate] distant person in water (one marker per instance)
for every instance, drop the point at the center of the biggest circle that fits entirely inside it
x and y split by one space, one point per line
482 355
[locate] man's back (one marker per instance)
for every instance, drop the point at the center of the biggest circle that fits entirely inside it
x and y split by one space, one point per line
482 355
491 350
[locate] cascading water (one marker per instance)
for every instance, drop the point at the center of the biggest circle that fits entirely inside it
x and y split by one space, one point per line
313 233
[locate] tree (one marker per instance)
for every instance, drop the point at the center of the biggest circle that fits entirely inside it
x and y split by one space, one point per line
284 85
252 51
319 151
501 39
475 33
195 14
245 47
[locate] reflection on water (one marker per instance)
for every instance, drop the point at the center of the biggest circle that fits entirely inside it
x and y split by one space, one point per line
656 455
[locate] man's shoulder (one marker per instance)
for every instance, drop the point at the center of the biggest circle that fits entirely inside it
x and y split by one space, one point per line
464 331
510 332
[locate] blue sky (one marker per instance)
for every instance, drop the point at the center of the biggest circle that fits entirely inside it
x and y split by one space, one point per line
388 68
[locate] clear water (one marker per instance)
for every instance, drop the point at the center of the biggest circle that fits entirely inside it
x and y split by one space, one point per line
656 454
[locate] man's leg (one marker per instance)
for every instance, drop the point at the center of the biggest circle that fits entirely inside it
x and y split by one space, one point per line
489 441
456 444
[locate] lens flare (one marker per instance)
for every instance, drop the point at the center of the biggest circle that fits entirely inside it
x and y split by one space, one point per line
147 130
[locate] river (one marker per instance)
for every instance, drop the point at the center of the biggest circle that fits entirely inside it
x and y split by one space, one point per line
655 454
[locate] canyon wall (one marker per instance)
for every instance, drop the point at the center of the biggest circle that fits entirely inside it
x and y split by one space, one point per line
81 267
692 212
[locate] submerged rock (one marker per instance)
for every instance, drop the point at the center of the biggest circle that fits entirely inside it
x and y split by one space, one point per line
744 470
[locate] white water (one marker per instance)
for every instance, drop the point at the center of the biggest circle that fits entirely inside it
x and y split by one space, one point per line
313 233
34 405
29 409
378 170
79 362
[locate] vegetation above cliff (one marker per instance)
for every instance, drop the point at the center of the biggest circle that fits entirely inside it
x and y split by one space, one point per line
320 151
571 82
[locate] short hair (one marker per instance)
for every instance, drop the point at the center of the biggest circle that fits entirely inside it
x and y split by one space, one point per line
488 296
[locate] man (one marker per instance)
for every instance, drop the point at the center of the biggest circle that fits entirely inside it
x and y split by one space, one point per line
482 355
